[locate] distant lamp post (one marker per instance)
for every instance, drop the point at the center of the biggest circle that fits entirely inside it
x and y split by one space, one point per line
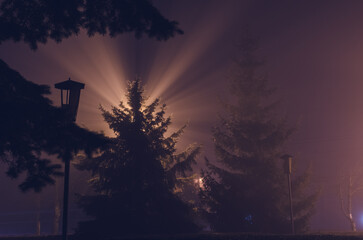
287 168
70 93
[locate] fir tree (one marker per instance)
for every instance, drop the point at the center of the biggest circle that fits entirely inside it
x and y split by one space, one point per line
135 178
31 126
247 190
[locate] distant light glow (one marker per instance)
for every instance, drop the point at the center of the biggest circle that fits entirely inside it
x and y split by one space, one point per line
199 182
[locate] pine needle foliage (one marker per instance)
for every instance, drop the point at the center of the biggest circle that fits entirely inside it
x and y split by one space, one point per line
247 190
134 179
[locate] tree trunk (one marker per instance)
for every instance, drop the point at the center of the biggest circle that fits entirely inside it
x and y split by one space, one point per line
348 212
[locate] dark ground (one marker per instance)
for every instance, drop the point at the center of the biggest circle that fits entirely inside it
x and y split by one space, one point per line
216 236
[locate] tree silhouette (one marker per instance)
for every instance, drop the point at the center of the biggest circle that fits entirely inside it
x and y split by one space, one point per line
30 124
35 21
247 191
135 177
350 185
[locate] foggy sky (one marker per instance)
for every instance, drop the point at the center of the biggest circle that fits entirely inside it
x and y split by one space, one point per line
313 53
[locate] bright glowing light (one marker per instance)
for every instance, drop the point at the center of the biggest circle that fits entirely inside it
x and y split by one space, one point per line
171 70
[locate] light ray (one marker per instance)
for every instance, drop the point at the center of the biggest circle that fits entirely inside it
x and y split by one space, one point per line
178 71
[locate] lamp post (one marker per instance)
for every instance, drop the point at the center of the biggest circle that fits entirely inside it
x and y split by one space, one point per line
70 93
287 168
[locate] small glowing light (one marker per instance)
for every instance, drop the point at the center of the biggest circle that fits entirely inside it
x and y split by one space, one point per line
249 219
361 219
199 182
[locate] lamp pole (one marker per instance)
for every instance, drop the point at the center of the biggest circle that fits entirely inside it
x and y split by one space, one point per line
287 167
69 102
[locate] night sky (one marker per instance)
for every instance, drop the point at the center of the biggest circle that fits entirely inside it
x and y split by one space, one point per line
313 54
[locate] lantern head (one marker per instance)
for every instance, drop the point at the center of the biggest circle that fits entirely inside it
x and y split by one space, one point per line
287 163
70 96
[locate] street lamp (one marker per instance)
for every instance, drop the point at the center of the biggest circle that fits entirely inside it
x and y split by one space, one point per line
287 168
70 93
70 96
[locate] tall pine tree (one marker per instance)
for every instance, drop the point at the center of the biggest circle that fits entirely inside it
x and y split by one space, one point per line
135 178
246 191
